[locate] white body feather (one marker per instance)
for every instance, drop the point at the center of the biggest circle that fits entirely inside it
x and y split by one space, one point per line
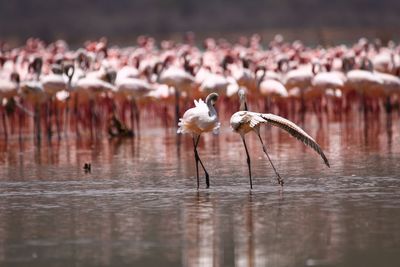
201 118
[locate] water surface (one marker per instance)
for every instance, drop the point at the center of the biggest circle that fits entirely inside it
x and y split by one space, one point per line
139 205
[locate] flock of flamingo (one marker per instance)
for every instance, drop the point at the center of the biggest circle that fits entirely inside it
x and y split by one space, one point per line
52 90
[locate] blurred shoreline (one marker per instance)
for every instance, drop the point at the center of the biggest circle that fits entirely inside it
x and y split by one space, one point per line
315 36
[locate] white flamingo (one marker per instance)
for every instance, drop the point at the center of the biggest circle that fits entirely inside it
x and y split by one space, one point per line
243 122
200 119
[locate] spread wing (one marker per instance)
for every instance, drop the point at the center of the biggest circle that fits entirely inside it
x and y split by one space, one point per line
293 130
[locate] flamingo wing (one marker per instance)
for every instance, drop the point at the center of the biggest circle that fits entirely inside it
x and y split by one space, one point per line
295 131
255 120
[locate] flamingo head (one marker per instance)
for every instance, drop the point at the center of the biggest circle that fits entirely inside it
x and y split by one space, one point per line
69 71
56 69
3 60
36 65
15 77
212 98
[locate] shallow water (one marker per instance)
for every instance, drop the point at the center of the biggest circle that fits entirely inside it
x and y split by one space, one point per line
139 205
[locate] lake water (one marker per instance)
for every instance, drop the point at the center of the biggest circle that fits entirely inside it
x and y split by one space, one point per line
139 205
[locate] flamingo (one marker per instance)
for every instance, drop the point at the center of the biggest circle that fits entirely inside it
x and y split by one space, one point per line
8 90
324 80
391 85
214 83
133 89
89 90
290 75
200 119
69 71
299 78
52 84
128 72
175 77
363 80
34 93
385 61
271 89
243 122
244 76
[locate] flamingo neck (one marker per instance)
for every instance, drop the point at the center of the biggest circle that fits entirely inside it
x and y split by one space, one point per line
243 104
264 70
212 112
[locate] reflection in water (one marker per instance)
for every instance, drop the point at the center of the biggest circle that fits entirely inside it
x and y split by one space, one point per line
244 236
200 237
139 206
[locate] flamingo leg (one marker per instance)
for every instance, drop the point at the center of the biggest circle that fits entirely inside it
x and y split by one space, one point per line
388 104
37 122
280 180
137 119
133 116
49 114
4 124
197 162
137 115
201 163
364 107
58 120
66 118
20 122
91 118
248 161
303 107
77 116
97 111
176 107
165 116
